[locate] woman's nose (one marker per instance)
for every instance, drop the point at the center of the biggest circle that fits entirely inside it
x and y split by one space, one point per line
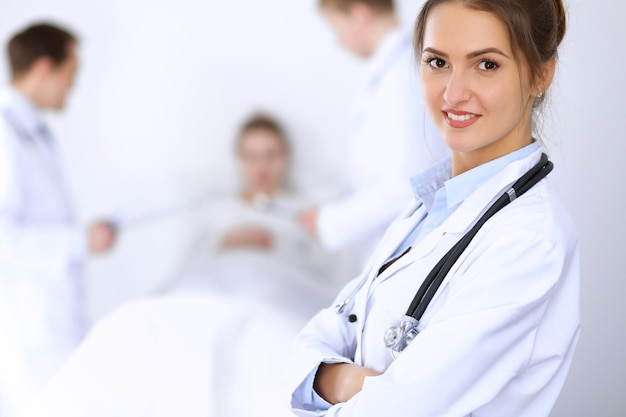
458 90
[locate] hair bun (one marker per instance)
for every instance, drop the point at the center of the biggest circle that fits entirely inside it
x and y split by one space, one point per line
561 20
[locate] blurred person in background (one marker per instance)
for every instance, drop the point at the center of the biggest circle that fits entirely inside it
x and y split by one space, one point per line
42 246
391 138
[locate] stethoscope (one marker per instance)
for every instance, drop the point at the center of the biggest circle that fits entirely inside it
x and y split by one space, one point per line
397 338
43 146
11 119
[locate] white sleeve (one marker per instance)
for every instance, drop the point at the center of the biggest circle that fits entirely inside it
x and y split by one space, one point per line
483 337
31 249
344 221
396 141
328 338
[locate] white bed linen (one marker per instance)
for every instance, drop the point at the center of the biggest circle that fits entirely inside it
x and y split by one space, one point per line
177 355
214 344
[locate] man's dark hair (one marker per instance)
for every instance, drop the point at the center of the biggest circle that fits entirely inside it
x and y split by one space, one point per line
36 41
383 6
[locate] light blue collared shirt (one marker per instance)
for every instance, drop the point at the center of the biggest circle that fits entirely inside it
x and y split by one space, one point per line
441 195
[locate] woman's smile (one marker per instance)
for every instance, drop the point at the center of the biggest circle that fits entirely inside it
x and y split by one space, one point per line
460 119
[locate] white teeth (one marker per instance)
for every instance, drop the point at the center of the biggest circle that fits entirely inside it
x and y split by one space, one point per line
461 117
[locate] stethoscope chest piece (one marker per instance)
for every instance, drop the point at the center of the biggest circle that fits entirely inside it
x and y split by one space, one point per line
397 338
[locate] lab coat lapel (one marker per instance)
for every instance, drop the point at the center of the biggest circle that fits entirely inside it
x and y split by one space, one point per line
394 236
423 249
44 154
478 202
33 136
465 216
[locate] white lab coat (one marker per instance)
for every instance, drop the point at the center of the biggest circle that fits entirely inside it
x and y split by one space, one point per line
497 339
391 139
40 256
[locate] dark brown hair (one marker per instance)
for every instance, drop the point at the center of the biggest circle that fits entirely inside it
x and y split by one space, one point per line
383 6
263 121
536 28
36 41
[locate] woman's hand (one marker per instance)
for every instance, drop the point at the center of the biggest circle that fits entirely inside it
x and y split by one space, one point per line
338 382
247 236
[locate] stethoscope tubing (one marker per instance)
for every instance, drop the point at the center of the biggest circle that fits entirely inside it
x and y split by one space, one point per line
435 278
397 338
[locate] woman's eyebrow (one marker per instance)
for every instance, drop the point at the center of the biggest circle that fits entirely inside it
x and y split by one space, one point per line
487 51
471 54
436 52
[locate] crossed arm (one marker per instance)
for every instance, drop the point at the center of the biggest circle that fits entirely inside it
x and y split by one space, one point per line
338 382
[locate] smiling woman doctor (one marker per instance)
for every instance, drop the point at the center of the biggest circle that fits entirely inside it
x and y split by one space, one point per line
486 326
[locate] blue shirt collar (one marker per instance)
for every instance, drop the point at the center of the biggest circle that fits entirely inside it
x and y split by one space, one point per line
427 183
457 189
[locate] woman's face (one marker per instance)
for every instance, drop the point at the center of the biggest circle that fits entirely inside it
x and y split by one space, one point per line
474 91
263 160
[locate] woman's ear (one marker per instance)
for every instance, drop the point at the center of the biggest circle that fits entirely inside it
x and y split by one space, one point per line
545 77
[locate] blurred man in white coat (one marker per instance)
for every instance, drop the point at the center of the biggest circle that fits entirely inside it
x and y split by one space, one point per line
42 247
391 136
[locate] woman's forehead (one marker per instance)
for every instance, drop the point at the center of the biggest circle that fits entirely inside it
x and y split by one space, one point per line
453 28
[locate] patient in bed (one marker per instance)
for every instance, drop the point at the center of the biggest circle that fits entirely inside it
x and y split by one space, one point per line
209 344
251 244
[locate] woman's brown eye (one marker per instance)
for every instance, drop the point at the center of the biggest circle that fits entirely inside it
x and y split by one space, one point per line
437 63
488 65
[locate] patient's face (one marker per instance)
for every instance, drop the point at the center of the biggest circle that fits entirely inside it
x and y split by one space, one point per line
263 161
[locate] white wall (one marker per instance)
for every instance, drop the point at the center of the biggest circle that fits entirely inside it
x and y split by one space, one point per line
163 86
591 144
